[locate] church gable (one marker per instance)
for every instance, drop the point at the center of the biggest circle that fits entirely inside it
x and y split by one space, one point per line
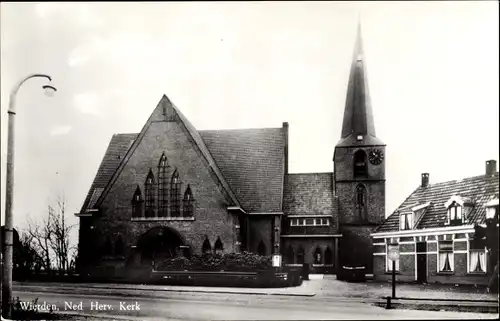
166 135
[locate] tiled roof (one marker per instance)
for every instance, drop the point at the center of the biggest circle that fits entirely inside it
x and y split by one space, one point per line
479 190
309 194
166 110
117 148
252 161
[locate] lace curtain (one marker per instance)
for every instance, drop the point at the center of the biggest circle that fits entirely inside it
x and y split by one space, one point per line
445 261
477 261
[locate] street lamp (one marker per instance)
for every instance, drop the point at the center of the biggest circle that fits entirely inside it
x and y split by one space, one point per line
9 193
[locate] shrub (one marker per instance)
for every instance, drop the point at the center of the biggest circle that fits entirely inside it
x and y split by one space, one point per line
237 262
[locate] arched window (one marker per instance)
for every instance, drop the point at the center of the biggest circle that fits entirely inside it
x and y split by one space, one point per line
328 256
290 255
360 164
119 246
218 247
318 257
149 190
261 249
162 187
361 201
188 202
137 203
175 195
206 248
300 255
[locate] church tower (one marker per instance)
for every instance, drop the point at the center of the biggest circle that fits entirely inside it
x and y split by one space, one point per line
359 169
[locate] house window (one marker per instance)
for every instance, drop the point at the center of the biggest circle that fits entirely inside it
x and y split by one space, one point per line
218 248
328 256
290 255
261 249
300 255
162 187
405 221
175 195
188 203
309 222
206 248
455 216
388 262
477 257
361 201
150 197
137 203
318 257
360 164
445 256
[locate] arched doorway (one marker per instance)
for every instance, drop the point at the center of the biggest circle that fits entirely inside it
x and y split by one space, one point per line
160 243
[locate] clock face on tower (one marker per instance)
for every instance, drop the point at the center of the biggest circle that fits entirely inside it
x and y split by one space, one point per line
376 156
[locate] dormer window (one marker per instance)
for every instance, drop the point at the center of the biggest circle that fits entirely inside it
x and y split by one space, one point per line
455 214
492 209
457 209
406 221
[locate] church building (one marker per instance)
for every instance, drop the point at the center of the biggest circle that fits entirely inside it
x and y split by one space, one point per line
174 190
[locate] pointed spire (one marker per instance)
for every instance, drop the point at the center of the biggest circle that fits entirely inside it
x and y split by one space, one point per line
358 117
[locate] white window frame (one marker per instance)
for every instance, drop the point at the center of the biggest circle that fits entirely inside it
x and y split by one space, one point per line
317 221
469 251
452 262
411 218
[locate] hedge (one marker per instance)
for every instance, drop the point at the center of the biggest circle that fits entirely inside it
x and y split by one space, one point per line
237 262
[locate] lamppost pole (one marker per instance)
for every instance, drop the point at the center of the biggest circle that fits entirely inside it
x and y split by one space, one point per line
9 194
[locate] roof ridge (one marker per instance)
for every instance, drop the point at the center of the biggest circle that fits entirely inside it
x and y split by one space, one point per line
465 178
237 129
310 173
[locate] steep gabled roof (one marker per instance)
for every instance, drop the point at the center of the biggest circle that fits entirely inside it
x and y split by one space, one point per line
309 194
477 190
252 161
358 115
165 109
117 148
249 163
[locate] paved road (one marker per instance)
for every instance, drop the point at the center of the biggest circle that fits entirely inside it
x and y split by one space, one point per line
170 305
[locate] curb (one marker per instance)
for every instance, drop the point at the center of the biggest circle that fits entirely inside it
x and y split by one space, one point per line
296 294
241 292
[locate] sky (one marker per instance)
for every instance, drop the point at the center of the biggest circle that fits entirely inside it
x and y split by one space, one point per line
432 71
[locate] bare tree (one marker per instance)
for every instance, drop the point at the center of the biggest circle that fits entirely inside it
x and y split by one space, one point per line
60 235
50 237
41 234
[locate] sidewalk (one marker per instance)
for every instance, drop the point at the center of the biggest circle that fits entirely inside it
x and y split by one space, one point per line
303 290
330 286
324 286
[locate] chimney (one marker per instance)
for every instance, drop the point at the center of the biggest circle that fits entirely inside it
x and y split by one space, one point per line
425 179
285 132
491 167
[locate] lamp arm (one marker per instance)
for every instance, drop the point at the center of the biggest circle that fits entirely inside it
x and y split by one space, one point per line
14 91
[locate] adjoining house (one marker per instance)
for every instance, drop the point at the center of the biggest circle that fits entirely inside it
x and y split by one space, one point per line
434 228
174 190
